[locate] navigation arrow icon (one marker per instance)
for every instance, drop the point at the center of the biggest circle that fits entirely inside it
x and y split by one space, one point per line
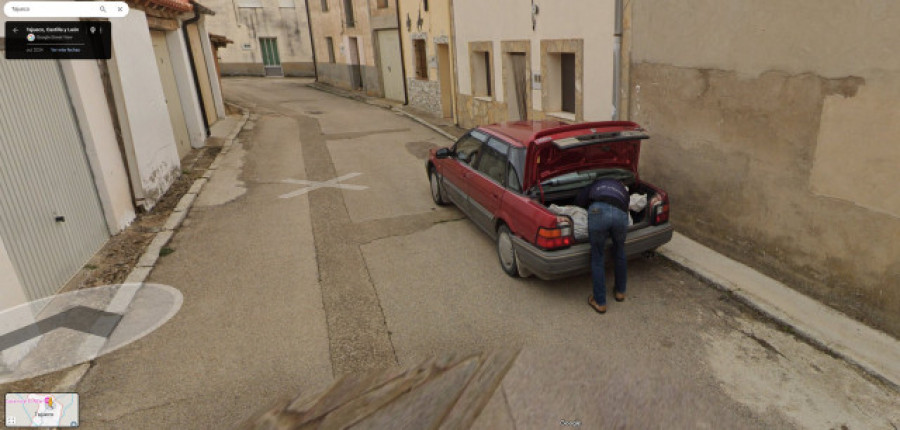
80 318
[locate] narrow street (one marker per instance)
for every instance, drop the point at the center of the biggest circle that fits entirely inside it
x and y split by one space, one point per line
316 251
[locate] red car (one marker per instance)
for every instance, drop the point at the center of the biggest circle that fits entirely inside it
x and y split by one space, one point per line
505 176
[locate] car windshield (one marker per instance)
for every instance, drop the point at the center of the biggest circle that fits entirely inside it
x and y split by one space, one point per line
574 180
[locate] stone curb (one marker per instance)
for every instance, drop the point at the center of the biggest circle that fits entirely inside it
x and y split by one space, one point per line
148 259
772 312
831 344
426 124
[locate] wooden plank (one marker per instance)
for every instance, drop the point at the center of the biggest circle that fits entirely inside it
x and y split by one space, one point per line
443 392
424 406
479 391
367 404
347 389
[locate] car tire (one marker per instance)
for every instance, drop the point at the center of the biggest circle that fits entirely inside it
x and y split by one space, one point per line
437 192
506 252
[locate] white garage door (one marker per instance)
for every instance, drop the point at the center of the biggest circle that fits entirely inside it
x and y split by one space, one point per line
391 64
50 215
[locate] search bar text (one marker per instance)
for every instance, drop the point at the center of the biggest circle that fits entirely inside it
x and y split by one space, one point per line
65 9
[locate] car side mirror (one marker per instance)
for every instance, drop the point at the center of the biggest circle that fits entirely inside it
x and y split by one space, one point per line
443 153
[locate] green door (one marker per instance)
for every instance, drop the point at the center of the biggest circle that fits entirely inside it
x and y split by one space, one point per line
271 60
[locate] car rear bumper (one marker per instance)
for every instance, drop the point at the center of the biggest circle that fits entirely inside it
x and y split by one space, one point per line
576 259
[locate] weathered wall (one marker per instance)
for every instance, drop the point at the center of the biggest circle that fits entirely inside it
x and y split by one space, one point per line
92 111
245 25
590 21
424 95
433 26
331 23
146 128
774 129
339 75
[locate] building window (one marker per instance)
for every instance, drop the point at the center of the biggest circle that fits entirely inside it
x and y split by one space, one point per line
562 74
481 74
421 60
348 13
425 3
330 43
324 5
567 83
382 4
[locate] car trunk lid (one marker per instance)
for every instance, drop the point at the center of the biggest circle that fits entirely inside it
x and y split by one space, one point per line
588 146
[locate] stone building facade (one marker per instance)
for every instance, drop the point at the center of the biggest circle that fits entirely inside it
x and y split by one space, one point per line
426 29
271 37
516 60
358 46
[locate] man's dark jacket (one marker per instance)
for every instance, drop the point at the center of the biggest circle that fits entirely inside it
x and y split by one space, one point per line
604 190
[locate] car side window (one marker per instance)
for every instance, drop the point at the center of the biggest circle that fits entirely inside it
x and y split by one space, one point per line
466 149
493 165
516 162
513 182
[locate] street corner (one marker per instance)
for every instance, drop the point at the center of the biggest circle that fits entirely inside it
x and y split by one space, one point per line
61 331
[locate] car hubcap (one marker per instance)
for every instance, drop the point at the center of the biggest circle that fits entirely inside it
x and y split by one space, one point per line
435 192
507 254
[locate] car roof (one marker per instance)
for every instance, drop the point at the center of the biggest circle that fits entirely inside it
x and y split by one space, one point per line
519 133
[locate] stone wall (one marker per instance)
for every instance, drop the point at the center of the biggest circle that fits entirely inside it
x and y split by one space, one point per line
339 75
475 111
424 95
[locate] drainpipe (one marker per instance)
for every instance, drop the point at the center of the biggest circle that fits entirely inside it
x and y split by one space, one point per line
312 41
617 61
402 56
187 42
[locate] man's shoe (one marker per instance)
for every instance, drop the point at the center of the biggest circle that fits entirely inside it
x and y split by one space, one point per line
599 308
620 297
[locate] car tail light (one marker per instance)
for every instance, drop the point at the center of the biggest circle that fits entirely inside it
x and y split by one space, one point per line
560 236
659 209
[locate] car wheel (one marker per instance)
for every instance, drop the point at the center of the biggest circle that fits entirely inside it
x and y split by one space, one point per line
506 251
436 191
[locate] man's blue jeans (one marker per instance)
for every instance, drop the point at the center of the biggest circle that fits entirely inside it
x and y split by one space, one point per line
607 221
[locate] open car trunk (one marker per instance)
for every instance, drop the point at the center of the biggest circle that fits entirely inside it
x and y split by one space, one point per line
566 197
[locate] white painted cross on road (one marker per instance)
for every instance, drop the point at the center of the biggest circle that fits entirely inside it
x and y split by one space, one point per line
313 185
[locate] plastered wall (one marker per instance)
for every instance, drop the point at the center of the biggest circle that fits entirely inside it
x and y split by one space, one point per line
774 126
591 21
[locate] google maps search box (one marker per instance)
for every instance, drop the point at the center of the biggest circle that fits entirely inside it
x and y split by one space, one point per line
65 9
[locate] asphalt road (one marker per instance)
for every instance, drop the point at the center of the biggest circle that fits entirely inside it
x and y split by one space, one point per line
284 295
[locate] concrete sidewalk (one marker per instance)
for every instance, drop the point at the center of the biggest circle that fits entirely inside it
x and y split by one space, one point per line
875 352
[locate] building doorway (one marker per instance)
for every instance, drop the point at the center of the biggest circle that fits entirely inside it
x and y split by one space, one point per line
391 64
516 85
445 78
356 81
271 59
170 90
